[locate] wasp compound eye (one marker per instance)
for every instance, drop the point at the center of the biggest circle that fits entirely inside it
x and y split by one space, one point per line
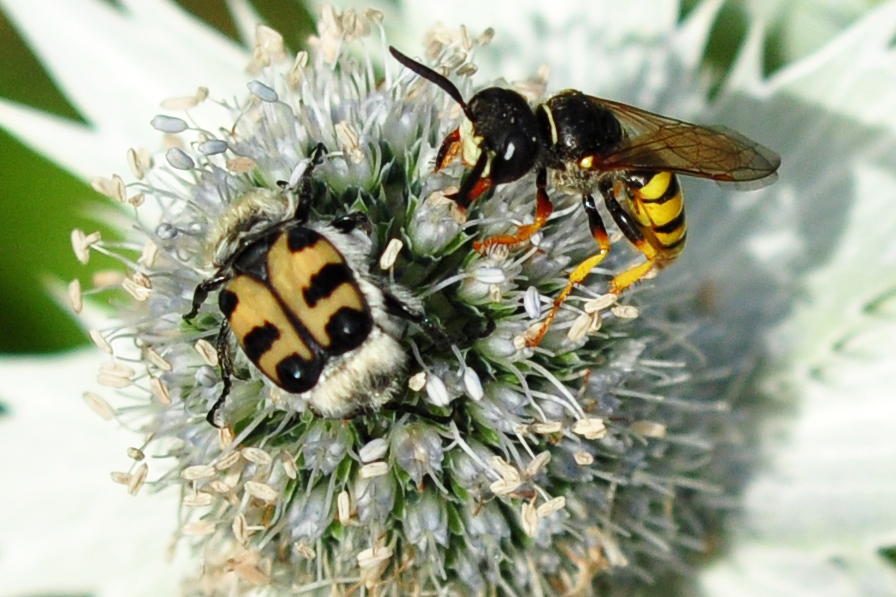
508 129
514 158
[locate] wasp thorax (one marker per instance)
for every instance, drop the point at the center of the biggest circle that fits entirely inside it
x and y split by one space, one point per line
577 127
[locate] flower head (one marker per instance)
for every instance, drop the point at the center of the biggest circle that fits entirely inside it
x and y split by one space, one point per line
604 459
491 463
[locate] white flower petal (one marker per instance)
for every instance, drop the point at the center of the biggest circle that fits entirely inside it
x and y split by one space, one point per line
246 19
853 74
818 516
693 32
74 146
746 72
64 521
150 52
839 454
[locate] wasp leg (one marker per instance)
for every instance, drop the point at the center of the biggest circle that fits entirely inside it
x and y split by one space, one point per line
202 291
600 236
473 185
543 210
226 362
449 150
633 232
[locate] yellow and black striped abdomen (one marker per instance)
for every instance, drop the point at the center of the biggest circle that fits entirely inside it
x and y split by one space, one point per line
293 303
658 206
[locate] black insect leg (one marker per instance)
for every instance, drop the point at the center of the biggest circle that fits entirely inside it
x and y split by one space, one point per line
225 361
397 307
633 232
352 221
305 185
623 219
202 291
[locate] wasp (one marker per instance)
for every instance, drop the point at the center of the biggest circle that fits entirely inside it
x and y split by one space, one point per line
583 143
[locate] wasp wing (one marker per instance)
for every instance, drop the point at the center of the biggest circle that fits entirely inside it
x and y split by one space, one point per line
654 142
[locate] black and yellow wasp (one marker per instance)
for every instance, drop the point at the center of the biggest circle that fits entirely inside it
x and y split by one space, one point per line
629 155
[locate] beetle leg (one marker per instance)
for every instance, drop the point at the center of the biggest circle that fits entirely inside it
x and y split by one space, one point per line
202 291
397 307
305 186
225 360
600 236
352 221
543 210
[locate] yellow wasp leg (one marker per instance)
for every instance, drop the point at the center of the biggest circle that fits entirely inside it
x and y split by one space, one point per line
632 275
599 233
656 228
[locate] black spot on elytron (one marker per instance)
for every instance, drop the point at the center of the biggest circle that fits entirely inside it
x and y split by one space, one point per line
326 281
299 238
347 329
259 340
227 302
297 375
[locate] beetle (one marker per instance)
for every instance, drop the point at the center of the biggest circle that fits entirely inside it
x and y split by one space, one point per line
302 304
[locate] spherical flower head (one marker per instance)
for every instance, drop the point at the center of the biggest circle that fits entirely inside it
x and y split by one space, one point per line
589 463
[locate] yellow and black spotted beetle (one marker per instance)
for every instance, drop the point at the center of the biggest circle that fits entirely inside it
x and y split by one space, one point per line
301 302
629 155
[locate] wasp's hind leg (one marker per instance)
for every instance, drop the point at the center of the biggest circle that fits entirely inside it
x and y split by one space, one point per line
657 229
225 360
543 210
578 275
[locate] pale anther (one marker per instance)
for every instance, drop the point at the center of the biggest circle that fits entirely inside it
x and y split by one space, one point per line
387 259
74 295
98 405
208 352
590 428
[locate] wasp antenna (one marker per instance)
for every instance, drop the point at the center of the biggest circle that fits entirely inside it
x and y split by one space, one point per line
431 75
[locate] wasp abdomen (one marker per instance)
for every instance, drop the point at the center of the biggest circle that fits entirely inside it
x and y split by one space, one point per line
658 205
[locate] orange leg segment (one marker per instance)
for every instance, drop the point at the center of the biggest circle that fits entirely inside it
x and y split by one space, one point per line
449 150
543 210
474 184
578 275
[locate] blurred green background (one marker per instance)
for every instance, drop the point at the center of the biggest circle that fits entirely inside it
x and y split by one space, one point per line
40 204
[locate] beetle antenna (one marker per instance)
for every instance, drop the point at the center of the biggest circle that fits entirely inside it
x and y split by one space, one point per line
431 75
